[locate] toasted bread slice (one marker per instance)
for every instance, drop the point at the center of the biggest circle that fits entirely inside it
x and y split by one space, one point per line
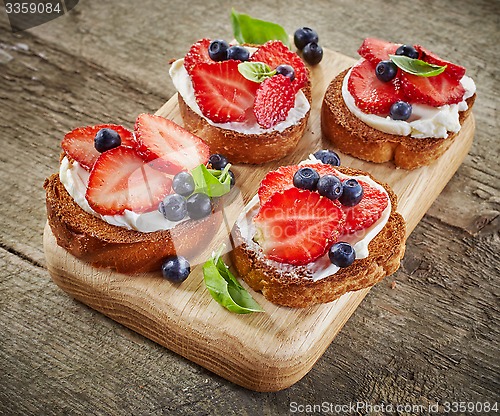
127 251
352 136
293 286
245 148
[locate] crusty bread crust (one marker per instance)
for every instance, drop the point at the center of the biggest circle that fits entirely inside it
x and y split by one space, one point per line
245 148
352 136
127 251
294 289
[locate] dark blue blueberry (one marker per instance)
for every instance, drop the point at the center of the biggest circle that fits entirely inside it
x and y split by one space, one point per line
407 50
303 36
400 110
106 139
217 50
175 268
330 187
238 53
327 156
218 161
199 206
306 178
352 192
386 70
233 178
286 70
183 183
342 254
312 53
173 207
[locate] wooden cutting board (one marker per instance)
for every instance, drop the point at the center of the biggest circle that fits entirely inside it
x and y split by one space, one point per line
263 351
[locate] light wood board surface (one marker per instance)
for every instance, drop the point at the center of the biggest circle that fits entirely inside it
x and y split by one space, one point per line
263 352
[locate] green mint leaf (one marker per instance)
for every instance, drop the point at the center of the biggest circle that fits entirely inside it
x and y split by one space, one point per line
226 290
255 71
247 29
416 66
212 182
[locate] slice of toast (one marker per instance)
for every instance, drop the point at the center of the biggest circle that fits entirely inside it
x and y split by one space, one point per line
245 148
352 136
127 251
293 286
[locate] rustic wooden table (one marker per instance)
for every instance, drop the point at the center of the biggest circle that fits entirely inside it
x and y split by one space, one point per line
428 333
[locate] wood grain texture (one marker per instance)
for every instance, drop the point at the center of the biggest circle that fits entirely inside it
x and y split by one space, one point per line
434 336
291 340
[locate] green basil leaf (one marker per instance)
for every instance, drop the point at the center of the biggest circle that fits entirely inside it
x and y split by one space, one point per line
214 183
255 71
226 290
247 29
416 66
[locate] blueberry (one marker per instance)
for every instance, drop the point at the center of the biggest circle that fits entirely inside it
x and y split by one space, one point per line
303 36
199 206
352 192
306 178
233 178
407 50
238 53
327 156
217 50
330 186
218 161
173 207
312 53
342 254
386 70
183 183
106 139
175 268
286 70
400 110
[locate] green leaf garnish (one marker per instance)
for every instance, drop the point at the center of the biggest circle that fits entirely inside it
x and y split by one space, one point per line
225 289
255 71
247 29
416 66
212 182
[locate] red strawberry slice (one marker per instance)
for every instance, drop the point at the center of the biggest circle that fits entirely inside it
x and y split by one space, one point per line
275 53
376 50
78 144
121 180
274 99
297 226
367 211
222 93
435 91
196 54
454 70
282 178
171 147
370 94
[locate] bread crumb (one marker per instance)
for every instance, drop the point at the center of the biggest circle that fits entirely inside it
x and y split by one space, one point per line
393 285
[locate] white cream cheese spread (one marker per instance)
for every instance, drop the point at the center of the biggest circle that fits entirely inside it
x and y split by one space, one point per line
425 121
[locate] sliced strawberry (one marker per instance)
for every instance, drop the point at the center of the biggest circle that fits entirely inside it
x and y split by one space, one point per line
171 147
196 54
454 70
222 93
121 179
274 53
282 178
274 99
296 226
376 50
436 91
367 211
370 94
78 144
